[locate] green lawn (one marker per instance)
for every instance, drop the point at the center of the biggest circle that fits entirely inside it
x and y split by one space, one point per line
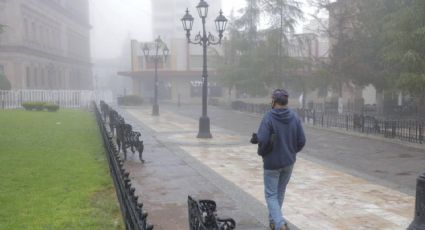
53 172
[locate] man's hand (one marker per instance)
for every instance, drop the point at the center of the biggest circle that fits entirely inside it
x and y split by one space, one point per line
254 139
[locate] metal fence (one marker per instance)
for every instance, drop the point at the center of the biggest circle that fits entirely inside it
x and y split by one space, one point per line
409 130
406 130
131 209
13 99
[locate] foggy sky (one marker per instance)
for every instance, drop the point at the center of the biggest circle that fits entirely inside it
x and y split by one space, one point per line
114 22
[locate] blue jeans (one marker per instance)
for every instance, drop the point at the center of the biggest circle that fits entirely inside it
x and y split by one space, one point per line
275 182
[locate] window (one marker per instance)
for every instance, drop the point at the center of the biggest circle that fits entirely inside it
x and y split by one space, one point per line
40 35
28 75
59 75
35 76
26 28
42 78
34 32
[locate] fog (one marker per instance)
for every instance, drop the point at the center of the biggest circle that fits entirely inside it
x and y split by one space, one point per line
115 21
219 111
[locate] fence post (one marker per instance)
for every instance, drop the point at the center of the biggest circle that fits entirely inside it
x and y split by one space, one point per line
346 122
393 129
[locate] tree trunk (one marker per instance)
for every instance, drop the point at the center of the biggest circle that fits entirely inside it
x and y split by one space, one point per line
379 101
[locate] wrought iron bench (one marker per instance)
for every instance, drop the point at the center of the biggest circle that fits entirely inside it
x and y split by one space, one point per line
203 216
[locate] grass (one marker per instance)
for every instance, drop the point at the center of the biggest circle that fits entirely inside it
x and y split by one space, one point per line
53 172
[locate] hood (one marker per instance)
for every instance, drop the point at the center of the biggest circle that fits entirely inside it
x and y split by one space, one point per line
282 115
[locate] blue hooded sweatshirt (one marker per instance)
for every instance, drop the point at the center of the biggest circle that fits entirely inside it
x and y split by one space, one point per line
290 138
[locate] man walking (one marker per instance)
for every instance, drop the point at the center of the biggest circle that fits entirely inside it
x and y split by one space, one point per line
283 126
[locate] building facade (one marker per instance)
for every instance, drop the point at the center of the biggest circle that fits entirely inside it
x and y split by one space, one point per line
179 74
46 44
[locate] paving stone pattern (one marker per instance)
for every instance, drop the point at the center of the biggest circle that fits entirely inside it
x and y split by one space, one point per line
318 196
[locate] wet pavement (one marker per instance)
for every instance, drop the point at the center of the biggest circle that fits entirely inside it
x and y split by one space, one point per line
169 175
379 160
321 194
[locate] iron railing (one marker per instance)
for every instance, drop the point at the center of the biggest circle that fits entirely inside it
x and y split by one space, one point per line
405 130
202 213
409 130
131 209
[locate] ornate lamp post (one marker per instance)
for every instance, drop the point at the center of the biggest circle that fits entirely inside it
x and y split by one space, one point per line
204 40
156 58
419 219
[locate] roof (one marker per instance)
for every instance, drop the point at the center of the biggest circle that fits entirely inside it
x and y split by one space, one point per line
166 73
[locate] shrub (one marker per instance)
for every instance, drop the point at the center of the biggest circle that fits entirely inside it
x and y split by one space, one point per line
28 106
238 105
51 107
130 100
34 105
214 101
39 106
4 83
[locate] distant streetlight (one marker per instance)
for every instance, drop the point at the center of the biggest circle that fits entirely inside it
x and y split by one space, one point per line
204 40
156 58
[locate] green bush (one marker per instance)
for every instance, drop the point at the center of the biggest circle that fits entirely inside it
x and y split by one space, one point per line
39 106
130 100
28 106
4 83
34 105
51 107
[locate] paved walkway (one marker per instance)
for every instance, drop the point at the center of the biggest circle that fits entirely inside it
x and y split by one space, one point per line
382 162
318 197
169 175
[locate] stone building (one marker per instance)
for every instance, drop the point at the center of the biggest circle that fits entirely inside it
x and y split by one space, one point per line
46 44
180 75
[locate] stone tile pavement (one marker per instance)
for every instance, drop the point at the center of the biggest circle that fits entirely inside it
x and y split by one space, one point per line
169 175
318 197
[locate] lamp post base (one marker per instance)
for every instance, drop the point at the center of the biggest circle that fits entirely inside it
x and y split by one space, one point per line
155 110
204 128
419 220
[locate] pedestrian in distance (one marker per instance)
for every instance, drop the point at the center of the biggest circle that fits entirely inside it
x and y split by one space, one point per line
280 137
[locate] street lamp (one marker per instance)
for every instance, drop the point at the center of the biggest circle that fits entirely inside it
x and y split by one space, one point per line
204 40
155 58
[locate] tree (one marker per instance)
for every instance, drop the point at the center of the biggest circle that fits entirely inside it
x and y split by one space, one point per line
4 83
283 16
256 61
404 53
248 21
